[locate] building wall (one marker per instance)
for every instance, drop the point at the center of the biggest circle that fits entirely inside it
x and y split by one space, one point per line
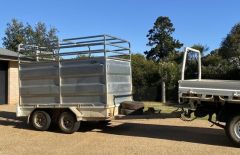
13 86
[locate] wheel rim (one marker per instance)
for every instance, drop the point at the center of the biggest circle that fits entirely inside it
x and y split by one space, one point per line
40 120
237 129
68 122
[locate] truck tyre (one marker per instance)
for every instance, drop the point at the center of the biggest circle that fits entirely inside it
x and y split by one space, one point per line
40 120
232 129
67 122
132 105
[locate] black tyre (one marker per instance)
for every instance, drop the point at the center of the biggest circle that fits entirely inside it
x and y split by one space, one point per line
232 130
67 123
132 105
126 111
40 120
131 112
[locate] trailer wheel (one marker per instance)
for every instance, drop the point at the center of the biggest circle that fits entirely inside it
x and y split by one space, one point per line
67 123
232 129
40 120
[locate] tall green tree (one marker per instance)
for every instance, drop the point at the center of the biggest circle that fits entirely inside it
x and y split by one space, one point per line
230 46
44 37
161 40
16 33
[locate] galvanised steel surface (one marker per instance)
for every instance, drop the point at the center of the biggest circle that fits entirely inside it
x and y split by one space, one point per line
84 72
205 89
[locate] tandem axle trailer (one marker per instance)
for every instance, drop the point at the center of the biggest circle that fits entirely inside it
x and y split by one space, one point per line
78 79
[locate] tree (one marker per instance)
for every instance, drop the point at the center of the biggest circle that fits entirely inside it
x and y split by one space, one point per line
16 33
213 59
44 37
161 40
145 78
230 46
201 48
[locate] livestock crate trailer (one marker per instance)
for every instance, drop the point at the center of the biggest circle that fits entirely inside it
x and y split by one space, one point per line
77 79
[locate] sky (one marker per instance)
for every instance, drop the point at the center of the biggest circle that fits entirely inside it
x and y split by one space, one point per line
204 21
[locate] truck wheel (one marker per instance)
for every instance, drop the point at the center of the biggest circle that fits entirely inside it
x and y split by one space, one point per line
67 123
232 130
40 120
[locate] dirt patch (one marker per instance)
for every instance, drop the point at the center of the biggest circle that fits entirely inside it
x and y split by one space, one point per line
133 135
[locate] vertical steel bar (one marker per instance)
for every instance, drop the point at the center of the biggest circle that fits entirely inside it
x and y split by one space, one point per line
19 81
104 47
105 70
184 63
130 58
199 66
89 49
59 76
187 49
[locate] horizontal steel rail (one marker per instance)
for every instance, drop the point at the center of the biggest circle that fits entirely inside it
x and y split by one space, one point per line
104 43
87 37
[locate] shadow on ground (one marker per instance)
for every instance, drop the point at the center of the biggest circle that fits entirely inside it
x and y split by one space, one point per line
10 119
151 115
201 135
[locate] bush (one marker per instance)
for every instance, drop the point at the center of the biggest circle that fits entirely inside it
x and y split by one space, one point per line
147 77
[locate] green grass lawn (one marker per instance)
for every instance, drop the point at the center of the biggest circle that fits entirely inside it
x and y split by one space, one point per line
164 108
161 110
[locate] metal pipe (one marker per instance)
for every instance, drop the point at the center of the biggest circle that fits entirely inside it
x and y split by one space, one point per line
183 65
115 58
119 46
105 70
93 41
81 45
59 78
116 38
87 37
130 58
109 51
187 49
89 51
19 82
80 52
82 42
105 40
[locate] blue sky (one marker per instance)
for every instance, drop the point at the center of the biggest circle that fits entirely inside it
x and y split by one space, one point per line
203 21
